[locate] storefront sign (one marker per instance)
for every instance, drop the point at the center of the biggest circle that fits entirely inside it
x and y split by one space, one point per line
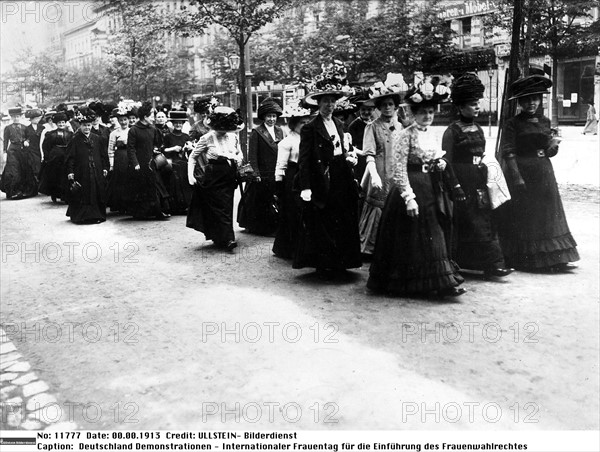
467 9
502 50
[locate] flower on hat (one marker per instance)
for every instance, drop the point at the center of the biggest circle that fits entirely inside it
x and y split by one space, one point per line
416 98
427 90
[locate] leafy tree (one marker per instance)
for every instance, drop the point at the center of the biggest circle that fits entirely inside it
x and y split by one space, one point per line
240 18
558 28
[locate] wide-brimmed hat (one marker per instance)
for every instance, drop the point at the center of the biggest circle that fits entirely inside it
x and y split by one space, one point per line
15 111
268 106
425 94
295 110
527 86
88 116
344 106
467 88
331 82
205 104
34 113
224 119
178 115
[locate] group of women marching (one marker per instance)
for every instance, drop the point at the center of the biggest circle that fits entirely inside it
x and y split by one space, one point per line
384 189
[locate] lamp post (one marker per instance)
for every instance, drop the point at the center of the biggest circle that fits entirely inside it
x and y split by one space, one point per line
234 64
248 76
490 75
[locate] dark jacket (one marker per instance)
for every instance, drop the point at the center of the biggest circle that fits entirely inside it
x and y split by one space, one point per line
33 136
141 141
86 155
316 153
262 154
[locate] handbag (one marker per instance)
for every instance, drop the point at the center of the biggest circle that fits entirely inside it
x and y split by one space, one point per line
162 163
245 172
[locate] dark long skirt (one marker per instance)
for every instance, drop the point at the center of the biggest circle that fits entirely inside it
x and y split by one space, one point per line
286 237
256 211
328 236
117 185
53 179
88 205
211 207
146 194
533 229
411 253
178 187
19 178
477 245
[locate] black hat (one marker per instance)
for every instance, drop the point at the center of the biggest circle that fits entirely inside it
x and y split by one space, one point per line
133 111
268 106
205 104
467 88
60 116
224 119
34 113
88 116
15 111
177 115
527 86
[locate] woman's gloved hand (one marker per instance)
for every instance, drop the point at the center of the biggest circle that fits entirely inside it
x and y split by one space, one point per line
306 194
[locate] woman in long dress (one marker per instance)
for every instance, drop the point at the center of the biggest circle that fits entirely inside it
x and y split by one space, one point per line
257 212
53 180
33 134
119 162
18 177
87 166
176 144
477 245
147 195
329 239
212 170
533 228
377 147
411 252
591 124
285 171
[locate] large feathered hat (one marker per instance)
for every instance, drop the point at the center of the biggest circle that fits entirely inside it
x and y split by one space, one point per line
331 82
205 104
467 88
393 88
60 116
295 110
426 94
224 119
527 86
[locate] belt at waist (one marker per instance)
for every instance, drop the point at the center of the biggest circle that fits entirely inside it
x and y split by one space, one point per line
420 167
221 161
531 153
469 159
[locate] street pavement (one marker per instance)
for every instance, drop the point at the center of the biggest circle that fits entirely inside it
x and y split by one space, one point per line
143 325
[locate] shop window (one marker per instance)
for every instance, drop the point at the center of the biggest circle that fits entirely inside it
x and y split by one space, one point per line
466 26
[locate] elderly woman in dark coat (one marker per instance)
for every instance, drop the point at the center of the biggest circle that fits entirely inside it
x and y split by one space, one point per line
257 211
212 170
329 239
477 246
87 166
148 197
533 229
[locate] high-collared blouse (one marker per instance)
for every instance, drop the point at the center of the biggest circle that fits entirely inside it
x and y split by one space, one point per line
287 151
214 146
413 145
117 137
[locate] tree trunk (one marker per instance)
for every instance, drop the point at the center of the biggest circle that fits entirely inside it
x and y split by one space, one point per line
554 86
527 43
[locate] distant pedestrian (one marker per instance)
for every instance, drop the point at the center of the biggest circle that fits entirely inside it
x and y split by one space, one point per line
53 180
18 177
212 170
591 125
533 229
87 167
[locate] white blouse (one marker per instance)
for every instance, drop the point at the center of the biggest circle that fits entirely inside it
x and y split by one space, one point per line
116 135
287 151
